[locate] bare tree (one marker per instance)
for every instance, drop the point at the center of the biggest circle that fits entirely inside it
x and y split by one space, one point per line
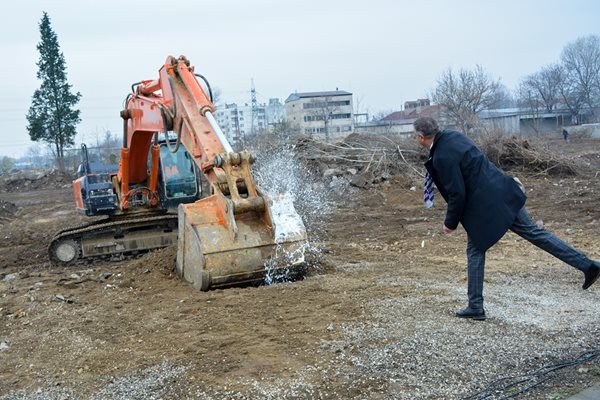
34 155
463 94
545 86
529 100
323 109
571 97
359 116
285 130
581 60
541 92
503 98
109 148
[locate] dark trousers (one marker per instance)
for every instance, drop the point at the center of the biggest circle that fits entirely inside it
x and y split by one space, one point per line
527 229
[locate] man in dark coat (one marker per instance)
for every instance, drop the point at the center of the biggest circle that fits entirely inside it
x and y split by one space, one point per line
487 203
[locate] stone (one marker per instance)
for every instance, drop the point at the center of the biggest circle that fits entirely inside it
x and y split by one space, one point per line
104 276
359 181
332 172
11 277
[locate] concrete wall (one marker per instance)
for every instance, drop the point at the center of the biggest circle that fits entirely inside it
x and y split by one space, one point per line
542 124
384 129
507 124
586 129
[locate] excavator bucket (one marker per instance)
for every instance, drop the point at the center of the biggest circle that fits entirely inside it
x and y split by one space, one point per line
220 247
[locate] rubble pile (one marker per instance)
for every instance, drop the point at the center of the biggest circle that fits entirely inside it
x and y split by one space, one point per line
34 179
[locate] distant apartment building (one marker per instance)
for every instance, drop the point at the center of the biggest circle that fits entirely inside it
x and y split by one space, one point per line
327 114
274 112
240 121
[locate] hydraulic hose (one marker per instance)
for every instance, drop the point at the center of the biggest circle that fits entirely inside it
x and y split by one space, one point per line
207 85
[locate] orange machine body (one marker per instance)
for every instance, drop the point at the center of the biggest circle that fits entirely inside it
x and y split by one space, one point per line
229 236
176 101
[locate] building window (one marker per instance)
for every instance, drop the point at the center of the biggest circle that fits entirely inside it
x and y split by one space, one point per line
323 104
340 116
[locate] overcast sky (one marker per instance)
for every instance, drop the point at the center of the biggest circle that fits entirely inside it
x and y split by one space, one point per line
383 51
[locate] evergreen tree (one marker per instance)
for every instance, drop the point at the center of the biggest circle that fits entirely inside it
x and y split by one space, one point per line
52 115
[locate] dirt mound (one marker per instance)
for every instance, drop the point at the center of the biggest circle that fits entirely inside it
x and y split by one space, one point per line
8 210
162 260
27 180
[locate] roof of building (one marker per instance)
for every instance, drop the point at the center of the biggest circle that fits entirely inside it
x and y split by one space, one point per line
499 112
429 111
411 114
304 95
395 116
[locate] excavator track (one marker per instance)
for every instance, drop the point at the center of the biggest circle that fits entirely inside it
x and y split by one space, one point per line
113 238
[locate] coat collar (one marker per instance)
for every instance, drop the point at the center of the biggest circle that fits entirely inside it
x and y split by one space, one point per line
436 138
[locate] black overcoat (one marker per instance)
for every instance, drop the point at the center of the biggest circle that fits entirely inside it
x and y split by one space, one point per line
479 195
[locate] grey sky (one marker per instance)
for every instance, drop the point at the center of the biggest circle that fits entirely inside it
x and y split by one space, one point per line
385 52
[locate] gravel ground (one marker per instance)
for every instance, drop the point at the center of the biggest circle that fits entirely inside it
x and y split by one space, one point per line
439 356
394 350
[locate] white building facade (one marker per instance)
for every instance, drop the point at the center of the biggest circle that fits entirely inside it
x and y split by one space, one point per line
240 121
327 114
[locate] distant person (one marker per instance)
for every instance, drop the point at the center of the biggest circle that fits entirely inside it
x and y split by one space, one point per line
487 203
565 135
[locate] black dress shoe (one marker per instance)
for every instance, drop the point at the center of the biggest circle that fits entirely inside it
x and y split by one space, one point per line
591 275
471 313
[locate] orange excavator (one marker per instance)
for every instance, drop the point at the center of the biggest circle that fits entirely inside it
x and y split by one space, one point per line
235 234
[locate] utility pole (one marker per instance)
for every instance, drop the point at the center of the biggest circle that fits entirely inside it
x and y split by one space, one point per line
254 105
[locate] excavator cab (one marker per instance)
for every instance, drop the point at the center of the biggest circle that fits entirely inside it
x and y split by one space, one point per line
179 180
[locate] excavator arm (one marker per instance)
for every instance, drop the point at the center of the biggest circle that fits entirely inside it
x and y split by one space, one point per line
236 233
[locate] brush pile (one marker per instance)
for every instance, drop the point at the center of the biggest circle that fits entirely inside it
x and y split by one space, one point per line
362 160
520 155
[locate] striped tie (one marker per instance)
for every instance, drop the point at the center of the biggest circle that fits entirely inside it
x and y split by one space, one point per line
428 191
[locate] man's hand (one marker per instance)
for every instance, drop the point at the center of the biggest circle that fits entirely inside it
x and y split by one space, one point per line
447 230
